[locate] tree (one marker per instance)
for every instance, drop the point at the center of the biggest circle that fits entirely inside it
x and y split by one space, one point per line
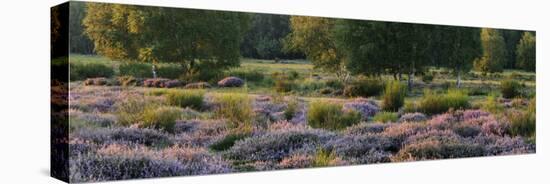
80 43
511 38
314 37
264 40
374 48
200 40
494 51
458 46
526 52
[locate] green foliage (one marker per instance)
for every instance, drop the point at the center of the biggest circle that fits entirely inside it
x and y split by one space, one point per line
235 108
385 117
169 71
394 96
510 88
330 116
335 84
138 70
494 52
130 111
427 78
196 39
246 74
432 103
324 158
82 71
284 85
291 109
186 98
492 105
526 52
227 142
524 123
163 118
264 39
364 87
80 43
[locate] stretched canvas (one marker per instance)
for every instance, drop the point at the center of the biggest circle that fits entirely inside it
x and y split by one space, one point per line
143 92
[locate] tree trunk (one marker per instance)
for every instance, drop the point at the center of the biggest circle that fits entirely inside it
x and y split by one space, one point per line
154 70
400 76
458 80
409 81
394 76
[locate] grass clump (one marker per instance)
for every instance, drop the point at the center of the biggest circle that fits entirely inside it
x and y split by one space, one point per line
163 118
138 70
170 71
186 98
235 108
394 96
510 88
524 123
291 109
330 116
385 117
432 103
324 158
491 104
130 111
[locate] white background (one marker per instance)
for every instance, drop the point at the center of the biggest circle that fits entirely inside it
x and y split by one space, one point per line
24 92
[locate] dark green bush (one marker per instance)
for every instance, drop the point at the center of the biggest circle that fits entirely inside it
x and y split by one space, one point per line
169 71
364 87
185 98
427 78
394 96
227 142
283 85
330 116
510 88
432 103
90 70
291 109
335 84
137 70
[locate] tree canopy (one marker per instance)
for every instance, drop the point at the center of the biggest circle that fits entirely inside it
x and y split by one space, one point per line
194 38
526 52
494 51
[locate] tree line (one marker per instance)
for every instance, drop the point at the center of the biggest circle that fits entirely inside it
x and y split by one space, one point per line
208 39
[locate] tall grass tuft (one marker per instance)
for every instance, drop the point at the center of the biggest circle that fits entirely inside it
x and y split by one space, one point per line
510 88
330 116
394 96
432 103
186 98
235 108
163 118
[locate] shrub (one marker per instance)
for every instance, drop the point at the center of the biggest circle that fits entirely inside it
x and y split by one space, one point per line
90 70
362 149
366 107
364 87
130 110
163 118
137 70
524 123
510 88
330 116
236 108
186 98
432 103
227 142
248 75
385 117
335 84
438 148
326 91
291 109
293 75
145 136
169 71
394 96
283 85
492 105
427 78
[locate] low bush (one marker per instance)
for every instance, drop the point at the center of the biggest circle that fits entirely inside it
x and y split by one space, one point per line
334 84
362 149
330 116
510 88
186 98
385 117
413 117
248 75
137 70
366 107
163 118
438 148
235 108
394 96
284 85
227 142
123 135
130 111
432 103
524 123
492 105
364 87
427 78
82 71
291 109
169 71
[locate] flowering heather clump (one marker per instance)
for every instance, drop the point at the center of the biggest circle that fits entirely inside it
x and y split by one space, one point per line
285 126
144 136
366 128
466 130
367 108
362 149
274 146
413 117
116 162
497 145
296 161
438 145
199 132
398 132
92 119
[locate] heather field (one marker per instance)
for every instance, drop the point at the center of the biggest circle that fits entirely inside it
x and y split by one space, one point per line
123 128
143 92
